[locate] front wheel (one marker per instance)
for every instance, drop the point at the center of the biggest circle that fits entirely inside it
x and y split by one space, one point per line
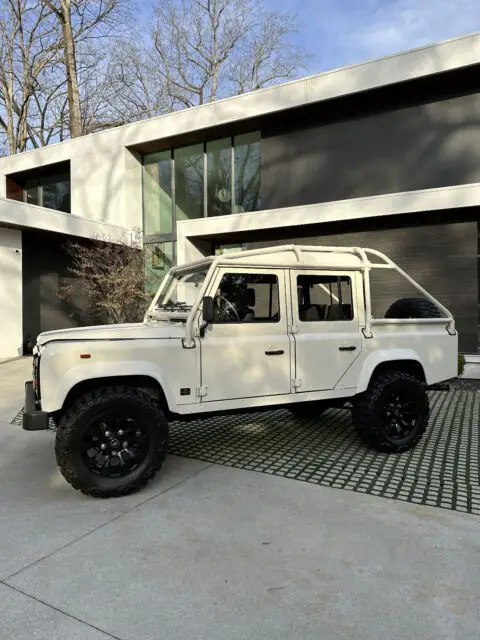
111 442
392 414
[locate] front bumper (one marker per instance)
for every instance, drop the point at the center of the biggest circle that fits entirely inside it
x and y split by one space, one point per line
33 418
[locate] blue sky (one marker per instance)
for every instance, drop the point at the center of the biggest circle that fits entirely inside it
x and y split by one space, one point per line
343 32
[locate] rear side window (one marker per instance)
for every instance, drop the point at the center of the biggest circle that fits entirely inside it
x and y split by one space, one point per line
246 298
324 298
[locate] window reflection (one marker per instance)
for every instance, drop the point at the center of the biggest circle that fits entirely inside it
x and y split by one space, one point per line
159 258
52 192
247 172
157 193
189 182
219 177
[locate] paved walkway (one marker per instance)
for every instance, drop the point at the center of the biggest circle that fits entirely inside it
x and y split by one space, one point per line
13 375
209 551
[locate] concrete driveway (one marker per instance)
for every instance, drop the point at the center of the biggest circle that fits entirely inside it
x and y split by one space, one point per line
213 552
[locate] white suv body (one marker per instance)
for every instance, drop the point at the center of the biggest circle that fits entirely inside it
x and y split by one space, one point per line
278 326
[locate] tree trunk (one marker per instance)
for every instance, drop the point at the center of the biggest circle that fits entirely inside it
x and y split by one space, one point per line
71 70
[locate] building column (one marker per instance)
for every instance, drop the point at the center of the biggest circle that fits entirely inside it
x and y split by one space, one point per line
10 293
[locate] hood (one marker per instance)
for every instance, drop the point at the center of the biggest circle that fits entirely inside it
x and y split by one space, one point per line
140 330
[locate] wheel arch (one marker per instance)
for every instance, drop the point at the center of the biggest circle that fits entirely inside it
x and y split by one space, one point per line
145 382
397 360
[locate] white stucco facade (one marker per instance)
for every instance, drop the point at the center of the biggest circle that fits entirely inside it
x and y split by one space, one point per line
11 293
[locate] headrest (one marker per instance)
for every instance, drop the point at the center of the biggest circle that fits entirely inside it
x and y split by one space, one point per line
250 297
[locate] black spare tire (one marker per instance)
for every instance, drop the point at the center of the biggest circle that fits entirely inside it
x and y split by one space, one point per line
413 308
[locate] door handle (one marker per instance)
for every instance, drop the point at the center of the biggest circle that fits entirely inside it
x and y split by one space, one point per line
275 352
349 348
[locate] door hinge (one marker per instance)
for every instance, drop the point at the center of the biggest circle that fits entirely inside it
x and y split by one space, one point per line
201 392
297 383
293 328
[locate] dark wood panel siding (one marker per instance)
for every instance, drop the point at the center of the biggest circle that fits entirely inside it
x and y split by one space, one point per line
442 258
14 190
419 147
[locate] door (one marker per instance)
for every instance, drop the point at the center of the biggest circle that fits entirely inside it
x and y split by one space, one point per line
245 352
327 335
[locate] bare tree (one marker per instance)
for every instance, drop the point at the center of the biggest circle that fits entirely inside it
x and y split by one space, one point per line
80 21
209 49
109 277
57 82
27 49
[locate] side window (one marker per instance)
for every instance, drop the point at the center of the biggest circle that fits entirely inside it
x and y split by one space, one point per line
324 298
246 298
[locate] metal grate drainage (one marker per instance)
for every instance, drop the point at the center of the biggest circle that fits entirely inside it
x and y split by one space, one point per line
443 470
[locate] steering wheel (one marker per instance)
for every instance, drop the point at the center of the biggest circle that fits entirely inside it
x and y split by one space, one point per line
226 311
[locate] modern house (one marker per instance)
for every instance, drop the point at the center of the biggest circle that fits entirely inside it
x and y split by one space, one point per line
384 154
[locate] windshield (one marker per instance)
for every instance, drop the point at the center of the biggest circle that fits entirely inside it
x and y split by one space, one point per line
182 290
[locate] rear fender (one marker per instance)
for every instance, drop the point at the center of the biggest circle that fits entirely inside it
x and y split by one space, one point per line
381 357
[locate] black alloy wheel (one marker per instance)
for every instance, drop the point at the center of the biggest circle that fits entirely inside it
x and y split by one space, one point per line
111 441
392 414
113 445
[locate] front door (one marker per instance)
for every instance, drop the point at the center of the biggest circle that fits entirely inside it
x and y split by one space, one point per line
245 352
327 335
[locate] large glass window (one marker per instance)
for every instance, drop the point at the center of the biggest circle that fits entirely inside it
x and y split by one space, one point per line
157 193
159 258
247 172
219 177
52 191
213 178
189 178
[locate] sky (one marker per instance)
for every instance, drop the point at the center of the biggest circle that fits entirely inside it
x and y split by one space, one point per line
338 33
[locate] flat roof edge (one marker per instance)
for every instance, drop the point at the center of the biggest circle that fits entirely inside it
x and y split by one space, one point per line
407 65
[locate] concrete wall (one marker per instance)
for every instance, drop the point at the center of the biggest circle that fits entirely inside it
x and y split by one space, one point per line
106 178
420 147
10 293
21 214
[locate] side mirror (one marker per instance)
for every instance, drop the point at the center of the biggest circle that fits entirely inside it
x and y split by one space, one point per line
208 310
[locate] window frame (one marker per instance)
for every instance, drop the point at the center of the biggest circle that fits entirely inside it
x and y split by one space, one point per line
171 236
276 273
40 182
295 275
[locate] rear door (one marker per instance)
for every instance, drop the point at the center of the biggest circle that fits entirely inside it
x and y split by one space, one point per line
245 352
326 327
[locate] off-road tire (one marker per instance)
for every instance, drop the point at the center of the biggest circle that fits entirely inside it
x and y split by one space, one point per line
76 419
307 410
413 308
369 409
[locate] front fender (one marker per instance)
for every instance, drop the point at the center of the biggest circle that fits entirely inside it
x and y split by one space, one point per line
56 385
379 357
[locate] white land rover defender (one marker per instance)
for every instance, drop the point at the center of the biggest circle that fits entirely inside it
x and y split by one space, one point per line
287 326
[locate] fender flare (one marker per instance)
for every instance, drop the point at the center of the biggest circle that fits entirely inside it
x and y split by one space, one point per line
384 356
80 373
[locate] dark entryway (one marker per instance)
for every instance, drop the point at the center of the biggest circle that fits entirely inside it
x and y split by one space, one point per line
45 269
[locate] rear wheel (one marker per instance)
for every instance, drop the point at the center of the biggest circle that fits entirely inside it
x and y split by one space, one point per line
111 442
392 414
